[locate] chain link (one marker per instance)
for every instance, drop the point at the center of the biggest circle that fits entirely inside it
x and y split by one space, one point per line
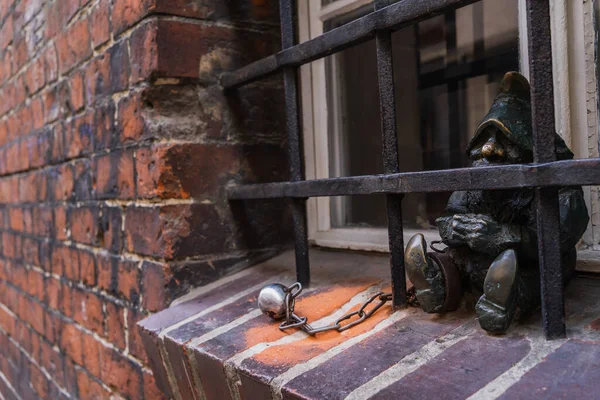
341 324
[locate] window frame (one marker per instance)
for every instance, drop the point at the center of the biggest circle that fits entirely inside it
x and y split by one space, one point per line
575 90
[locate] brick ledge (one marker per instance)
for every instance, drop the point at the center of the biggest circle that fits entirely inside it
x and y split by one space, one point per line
218 346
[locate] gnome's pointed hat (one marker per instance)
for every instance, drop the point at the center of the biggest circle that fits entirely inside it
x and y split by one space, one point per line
511 114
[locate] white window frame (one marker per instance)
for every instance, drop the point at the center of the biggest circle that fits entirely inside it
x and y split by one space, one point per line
575 99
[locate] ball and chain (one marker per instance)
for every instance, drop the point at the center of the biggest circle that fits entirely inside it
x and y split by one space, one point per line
278 302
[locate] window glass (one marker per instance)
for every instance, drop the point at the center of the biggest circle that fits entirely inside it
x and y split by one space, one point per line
447 71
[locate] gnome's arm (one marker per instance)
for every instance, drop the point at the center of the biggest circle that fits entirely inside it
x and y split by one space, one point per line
573 220
464 226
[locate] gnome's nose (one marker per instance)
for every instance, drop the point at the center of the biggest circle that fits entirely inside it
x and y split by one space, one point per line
492 149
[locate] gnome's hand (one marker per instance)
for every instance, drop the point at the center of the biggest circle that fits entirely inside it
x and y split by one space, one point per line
478 231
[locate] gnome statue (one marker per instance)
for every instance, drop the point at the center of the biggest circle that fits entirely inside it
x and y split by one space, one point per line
491 235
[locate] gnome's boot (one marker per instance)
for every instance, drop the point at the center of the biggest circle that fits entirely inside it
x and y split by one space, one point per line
434 276
496 307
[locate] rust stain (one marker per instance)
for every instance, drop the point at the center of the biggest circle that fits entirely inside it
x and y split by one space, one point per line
303 350
313 305
594 326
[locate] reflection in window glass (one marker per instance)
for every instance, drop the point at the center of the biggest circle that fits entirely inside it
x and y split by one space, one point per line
447 71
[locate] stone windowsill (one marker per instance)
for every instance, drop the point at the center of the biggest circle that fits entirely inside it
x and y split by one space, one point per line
216 345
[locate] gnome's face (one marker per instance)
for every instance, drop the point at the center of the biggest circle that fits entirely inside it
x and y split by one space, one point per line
491 147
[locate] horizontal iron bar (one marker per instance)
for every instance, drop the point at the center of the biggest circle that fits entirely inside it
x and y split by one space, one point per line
560 173
393 17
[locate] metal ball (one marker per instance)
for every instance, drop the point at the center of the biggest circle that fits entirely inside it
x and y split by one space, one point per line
271 300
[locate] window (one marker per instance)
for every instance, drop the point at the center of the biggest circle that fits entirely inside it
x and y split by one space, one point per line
447 70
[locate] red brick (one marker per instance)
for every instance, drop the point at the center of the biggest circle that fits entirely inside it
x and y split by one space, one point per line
59 15
71 342
90 388
6 70
32 187
77 91
31 255
87 267
151 392
93 350
104 115
52 108
83 180
35 286
167 232
7 322
40 383
97 77
126 13
54 290
3 133
87 311
144 52
84 224
79 135
119 67
28 220
110 235
74 45
121 374
35 77
6 33
15 216
61 181
128 282
115 175
115 325
99 23
60 223
50 56
37 112
136 347
155 278
131 123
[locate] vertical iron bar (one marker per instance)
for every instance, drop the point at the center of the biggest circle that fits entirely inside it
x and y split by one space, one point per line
290 81
387 103
543 124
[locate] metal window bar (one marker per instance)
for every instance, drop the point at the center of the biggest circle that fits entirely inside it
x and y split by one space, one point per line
546 174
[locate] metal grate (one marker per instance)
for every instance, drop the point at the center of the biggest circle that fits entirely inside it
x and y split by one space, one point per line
546 174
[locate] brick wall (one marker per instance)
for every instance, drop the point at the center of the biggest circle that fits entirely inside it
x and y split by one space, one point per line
116 144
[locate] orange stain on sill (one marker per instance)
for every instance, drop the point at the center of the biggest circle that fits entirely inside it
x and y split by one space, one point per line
314 306
305 349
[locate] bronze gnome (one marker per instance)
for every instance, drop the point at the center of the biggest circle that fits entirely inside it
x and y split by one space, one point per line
491 235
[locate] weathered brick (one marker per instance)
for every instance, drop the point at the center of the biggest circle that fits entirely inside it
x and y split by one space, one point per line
131 124
71 342
77 91
109 231
35 77
6 32
79 135
143 52
84 224
99 23
87 311
115 325
87 267
121 374
50 57
115 175
59 15
155 278
167 232
126 13
74 45
89 388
